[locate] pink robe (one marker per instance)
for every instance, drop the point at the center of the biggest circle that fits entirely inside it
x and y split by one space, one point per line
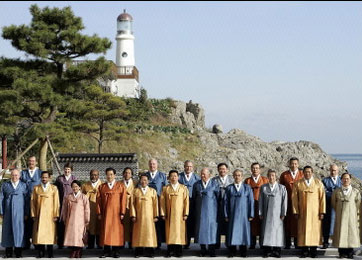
76 216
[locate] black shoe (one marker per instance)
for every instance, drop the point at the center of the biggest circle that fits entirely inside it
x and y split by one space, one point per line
275 254
202 254
116 255
186 247
212 255
252 247
230 255
136 256
103 256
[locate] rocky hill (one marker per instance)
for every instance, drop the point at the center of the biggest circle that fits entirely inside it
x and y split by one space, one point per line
238 148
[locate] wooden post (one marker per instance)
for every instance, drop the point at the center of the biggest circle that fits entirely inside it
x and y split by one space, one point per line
19 157
54 156
4 155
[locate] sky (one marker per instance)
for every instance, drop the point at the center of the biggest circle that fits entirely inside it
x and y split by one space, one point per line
282 71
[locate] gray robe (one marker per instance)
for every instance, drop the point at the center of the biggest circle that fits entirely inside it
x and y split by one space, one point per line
272 206
347 207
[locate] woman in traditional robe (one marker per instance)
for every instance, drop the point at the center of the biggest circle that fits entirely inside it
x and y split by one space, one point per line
76 216
346 202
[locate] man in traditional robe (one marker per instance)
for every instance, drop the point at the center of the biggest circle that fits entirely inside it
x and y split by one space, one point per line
238 211
309 207
63 183
330 184
255 181
31 177
13 211
223 180
175 210
157 180
144 214
45 213
130 183
90 189
288 178
273 202
188 178
346 202
206 194
111 208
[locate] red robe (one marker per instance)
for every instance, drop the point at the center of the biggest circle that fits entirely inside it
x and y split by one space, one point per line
256 223
290 223
111 204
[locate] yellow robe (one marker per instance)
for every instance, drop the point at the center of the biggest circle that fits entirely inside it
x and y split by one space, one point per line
174 206
127 219
44 208
91 193
309 202
145 209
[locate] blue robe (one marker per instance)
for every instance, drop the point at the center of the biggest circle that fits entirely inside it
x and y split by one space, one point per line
189 184
206 205
13 207
190 222
30 182
329 217
158 182
238 208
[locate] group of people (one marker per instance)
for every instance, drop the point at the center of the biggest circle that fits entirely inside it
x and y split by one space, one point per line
153 208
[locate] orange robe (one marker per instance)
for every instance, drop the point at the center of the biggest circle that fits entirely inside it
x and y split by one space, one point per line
128 224
256 223
290 223
111 204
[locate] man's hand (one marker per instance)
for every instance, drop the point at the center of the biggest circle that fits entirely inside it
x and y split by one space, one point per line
163 217
261 217
155 219
296 216
185 218
99 217
321 216
226 220
133 219
122 216
250 219
25 217
55 219
282 217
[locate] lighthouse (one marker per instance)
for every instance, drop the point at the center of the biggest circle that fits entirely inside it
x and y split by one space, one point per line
127 82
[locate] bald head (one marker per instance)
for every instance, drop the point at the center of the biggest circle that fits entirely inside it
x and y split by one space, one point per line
333 170
15 175
152 165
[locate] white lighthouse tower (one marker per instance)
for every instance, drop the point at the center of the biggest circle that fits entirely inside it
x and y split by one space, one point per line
127 82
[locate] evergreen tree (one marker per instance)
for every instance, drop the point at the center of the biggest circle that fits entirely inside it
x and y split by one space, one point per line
35 91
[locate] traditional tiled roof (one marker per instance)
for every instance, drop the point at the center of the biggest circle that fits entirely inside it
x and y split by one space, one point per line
97 157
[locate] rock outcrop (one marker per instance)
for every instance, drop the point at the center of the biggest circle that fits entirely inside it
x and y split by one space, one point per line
240 150
189 115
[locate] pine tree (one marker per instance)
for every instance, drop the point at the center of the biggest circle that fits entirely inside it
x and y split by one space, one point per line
35 91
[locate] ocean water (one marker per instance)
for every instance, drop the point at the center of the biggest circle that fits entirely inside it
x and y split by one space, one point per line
354 162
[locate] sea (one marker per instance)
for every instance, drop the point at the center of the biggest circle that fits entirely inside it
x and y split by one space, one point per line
354 162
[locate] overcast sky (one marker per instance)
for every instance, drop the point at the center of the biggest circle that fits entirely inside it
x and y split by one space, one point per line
283 71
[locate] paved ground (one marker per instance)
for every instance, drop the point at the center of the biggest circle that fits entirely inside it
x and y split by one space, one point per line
192 253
